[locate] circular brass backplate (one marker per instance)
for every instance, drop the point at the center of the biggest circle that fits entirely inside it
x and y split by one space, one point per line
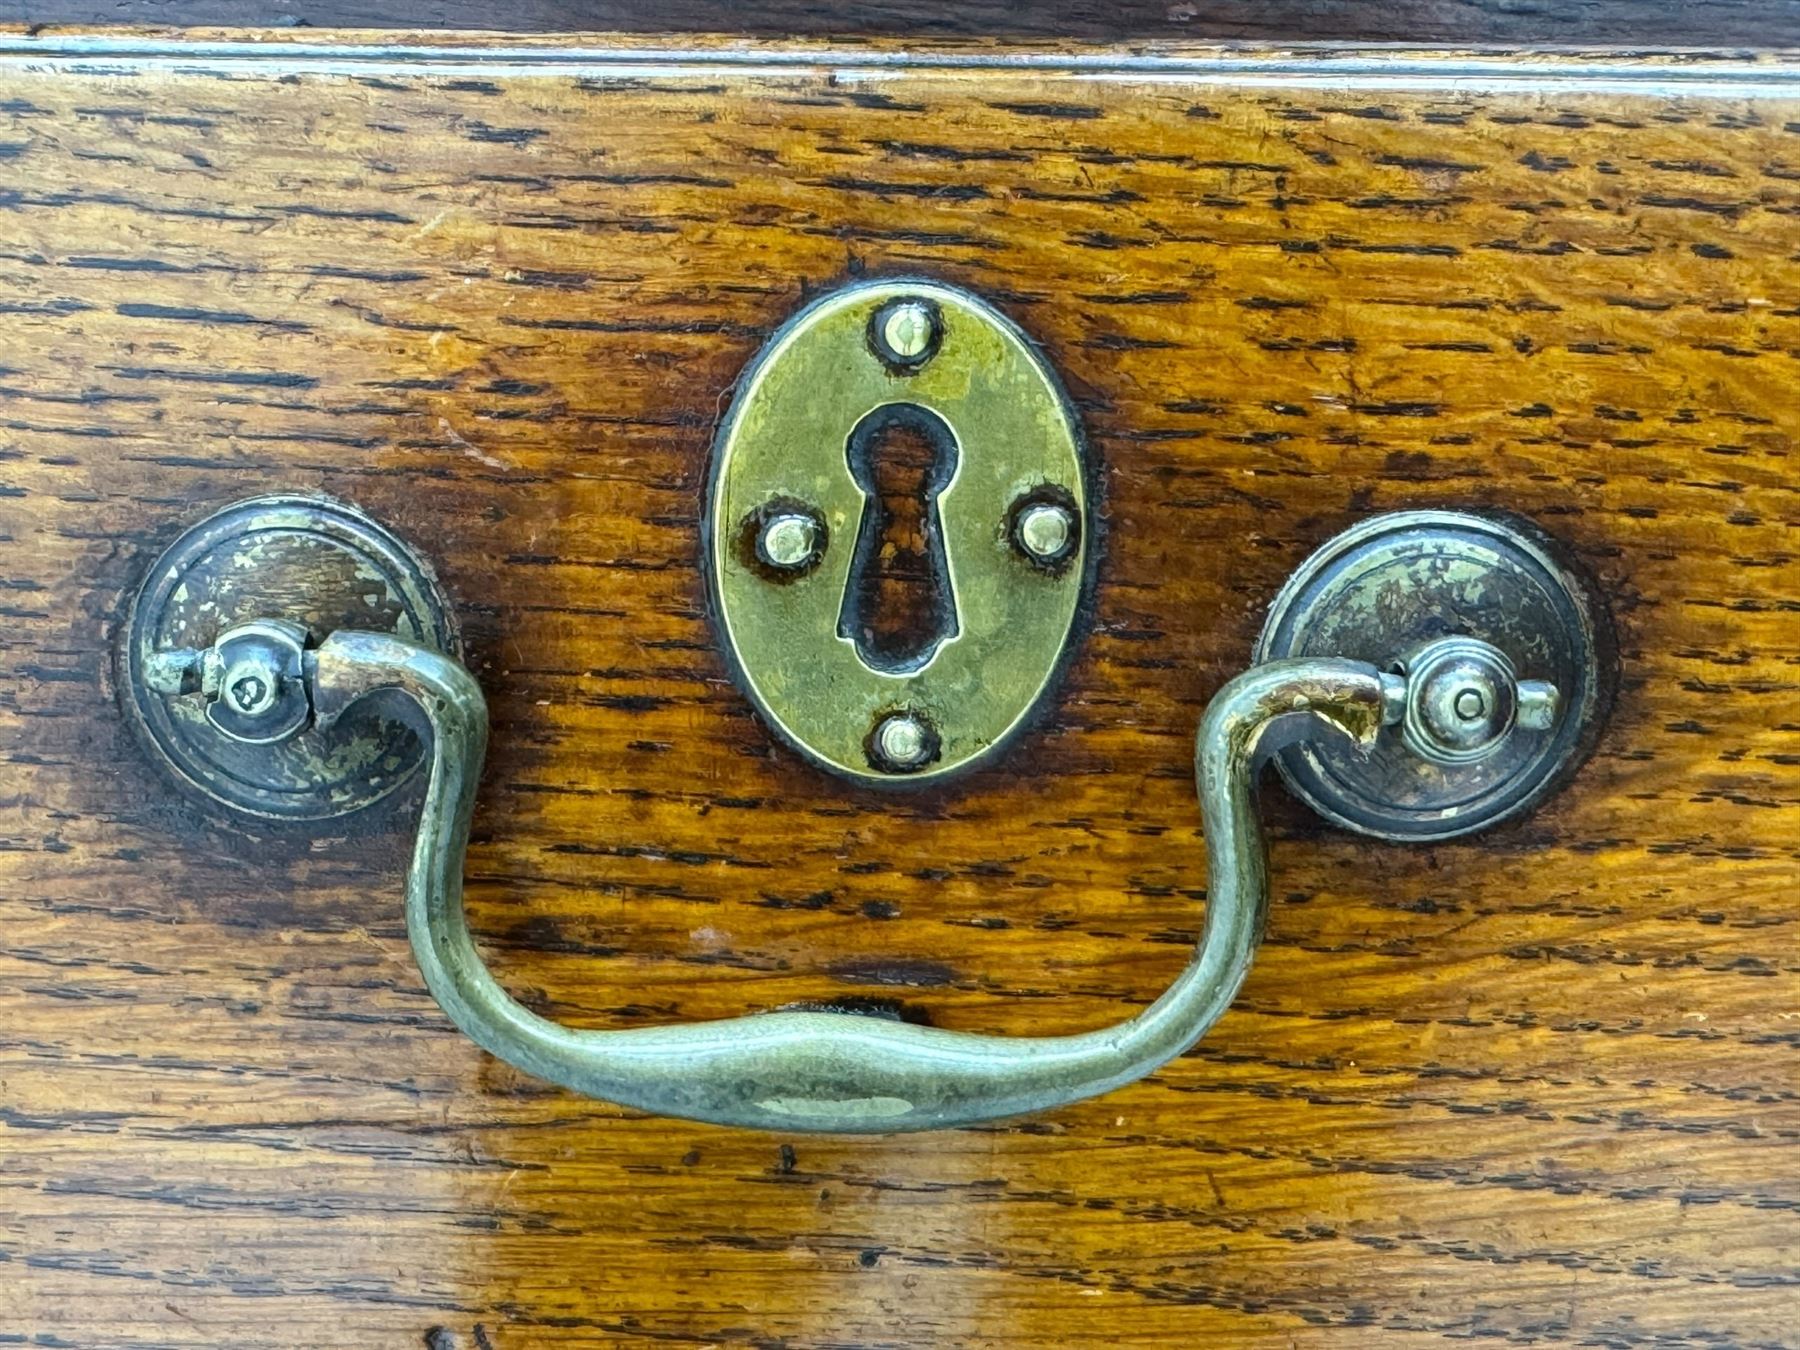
1384 589
857 359
309 560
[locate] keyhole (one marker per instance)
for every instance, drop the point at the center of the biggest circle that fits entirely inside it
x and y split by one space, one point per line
898 607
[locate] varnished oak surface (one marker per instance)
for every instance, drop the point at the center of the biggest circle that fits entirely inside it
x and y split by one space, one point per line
1534 1089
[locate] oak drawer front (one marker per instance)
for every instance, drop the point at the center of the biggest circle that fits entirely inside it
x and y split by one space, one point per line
1534 1086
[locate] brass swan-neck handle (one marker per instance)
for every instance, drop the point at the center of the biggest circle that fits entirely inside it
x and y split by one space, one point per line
836 1071
1470 743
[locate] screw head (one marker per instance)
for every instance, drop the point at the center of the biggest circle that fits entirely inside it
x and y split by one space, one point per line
254 678
1045 531
903 741
1044 528
789 541
1462 700
252 685
905 333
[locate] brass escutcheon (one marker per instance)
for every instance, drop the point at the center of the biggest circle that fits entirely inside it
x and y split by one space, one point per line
789 526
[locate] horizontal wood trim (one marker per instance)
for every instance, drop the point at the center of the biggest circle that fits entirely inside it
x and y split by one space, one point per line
270 55
1635 24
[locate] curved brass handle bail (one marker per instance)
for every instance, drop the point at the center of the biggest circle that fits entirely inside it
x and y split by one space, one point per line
833 1071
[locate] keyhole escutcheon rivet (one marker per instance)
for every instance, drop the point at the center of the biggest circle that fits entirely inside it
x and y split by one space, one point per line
783 538
1044 527
898 532
905 332
903 742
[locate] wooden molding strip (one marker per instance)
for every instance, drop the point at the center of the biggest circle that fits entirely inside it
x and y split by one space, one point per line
1664 73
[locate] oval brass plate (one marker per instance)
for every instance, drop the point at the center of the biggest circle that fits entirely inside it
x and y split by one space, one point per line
1008 527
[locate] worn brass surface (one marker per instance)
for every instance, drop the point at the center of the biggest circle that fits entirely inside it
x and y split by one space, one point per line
301 557
1392 589
819 383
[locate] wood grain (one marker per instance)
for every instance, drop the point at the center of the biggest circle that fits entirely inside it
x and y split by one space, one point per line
1537 1088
